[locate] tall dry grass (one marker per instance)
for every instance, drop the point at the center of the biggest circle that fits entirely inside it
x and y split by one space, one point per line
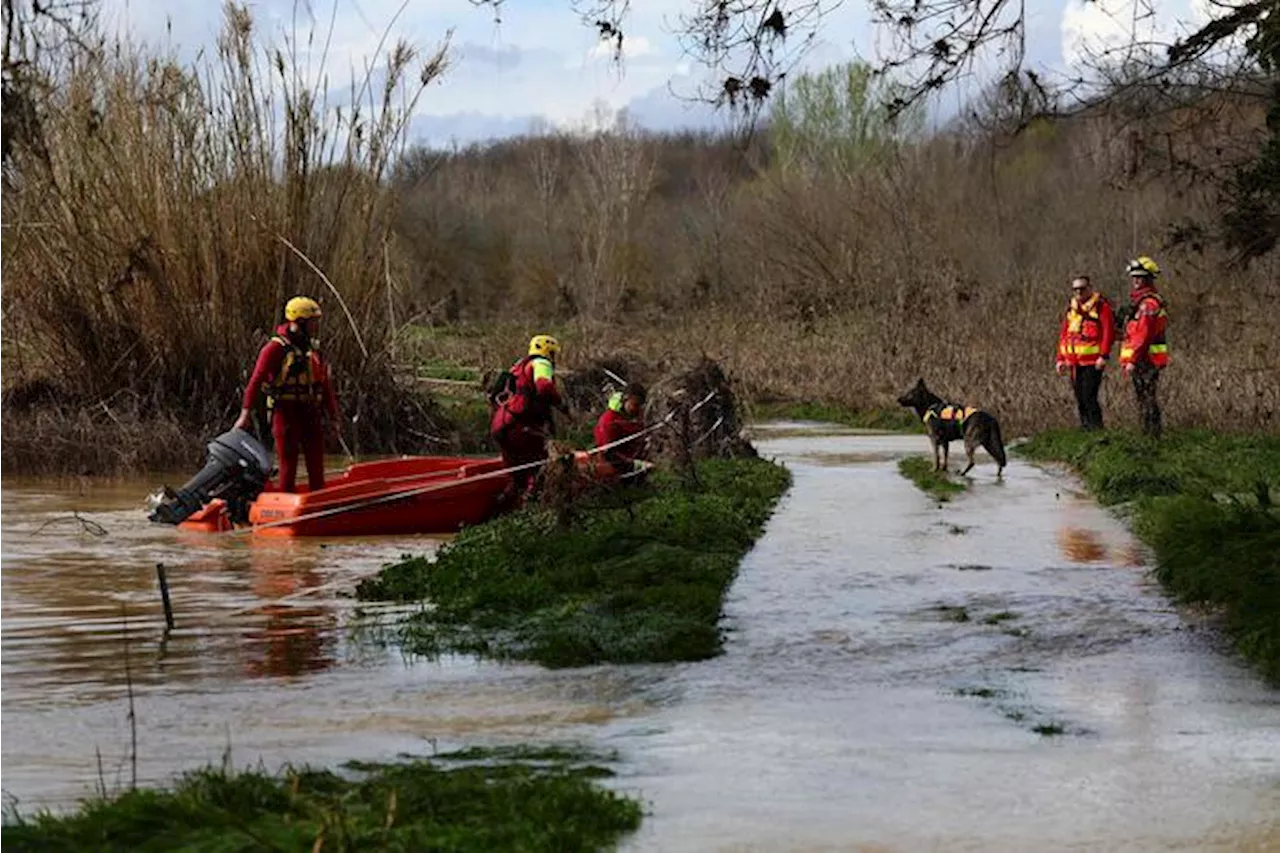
165 212
147 256
948 259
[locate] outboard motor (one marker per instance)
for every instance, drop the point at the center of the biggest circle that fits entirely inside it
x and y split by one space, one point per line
237 471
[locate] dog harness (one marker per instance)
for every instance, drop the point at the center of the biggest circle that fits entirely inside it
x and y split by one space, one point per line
951 419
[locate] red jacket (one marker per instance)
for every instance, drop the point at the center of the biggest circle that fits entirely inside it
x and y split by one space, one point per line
1144 334
310 386
533 397
1088 331
612 426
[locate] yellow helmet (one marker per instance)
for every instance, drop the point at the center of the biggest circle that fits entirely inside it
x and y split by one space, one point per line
544 345
301 308
1143 267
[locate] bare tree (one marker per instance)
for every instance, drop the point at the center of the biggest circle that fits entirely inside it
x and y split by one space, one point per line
616 180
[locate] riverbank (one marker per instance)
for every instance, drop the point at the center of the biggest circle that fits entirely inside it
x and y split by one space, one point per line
1206 505
640 575
473 800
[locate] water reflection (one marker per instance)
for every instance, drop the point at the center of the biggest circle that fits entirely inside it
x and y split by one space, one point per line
244 606
294 637
1081 544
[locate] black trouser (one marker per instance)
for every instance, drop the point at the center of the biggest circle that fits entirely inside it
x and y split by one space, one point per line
1087 382
1146 379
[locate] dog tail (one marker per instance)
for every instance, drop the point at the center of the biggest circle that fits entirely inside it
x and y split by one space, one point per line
996 447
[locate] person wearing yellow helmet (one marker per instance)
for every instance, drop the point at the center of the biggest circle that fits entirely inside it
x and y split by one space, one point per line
1145 350
299 390
522 399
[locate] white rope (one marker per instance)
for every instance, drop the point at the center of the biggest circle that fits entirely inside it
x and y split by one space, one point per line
436 487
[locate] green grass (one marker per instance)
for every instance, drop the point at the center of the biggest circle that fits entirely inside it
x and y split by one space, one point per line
938 484
901 420
1205 504
441 368
421 805
640 576
953 613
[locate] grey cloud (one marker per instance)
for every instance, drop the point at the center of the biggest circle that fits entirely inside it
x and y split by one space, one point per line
442 131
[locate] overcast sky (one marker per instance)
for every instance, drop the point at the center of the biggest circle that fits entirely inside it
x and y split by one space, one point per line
540 62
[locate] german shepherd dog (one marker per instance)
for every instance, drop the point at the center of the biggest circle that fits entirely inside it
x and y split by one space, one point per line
947 422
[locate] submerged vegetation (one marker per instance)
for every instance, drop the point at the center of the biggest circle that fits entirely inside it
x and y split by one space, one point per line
639 576
1207 506
937 484
468 801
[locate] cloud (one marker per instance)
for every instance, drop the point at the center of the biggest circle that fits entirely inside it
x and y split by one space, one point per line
1093 27
465 128
633 47
537 59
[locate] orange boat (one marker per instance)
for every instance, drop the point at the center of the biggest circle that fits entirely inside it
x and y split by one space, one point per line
415 494
412 494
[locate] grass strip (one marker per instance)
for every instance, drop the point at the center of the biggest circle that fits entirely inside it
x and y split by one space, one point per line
898 420
639 576
420 805
937 484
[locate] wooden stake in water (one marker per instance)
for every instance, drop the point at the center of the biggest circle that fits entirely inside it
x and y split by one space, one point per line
164 596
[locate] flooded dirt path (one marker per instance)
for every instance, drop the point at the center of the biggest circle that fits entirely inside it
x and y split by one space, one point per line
994 673
998 672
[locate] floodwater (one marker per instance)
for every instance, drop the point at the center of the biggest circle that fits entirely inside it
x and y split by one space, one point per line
994 673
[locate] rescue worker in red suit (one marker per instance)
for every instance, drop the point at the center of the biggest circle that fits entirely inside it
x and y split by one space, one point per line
622 419
1084 345
522 422
1145 350
299 393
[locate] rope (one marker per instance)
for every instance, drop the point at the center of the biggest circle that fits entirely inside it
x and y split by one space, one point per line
437 487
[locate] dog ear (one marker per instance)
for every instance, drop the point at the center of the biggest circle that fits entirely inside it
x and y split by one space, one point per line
920 384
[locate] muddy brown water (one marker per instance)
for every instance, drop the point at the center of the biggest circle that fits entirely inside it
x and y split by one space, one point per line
994 673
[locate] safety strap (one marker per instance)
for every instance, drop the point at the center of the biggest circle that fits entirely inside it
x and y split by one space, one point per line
436 487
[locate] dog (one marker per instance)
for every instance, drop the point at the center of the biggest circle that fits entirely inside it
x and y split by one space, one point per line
947 422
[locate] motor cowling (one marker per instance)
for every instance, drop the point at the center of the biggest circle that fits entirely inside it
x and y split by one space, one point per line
237 471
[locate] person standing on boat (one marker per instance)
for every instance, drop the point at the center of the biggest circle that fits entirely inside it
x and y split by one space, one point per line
523 398
299 389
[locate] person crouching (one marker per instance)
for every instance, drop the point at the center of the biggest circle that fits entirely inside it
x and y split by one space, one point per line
623 419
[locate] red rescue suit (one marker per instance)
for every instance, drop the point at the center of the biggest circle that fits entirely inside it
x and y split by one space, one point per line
300 393
521 421
615 425
1144 334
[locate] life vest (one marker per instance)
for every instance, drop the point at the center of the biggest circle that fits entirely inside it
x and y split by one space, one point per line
300 378
514 395
951 419
1084 328
1157 349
